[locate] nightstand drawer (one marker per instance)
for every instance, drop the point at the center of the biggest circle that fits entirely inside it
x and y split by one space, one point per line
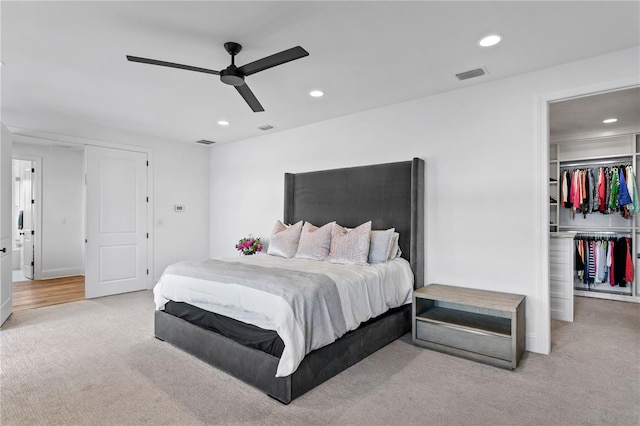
469 340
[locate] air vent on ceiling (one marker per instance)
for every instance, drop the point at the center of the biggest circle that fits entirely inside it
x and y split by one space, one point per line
266 127
471 74
205 142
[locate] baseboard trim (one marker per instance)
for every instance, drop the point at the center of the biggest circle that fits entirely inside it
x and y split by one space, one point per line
535 345
61 273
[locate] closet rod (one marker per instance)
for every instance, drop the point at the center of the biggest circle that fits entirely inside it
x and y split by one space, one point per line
601 232
596 163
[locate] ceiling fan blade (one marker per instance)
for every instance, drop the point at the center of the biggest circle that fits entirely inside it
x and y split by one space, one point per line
273 60
248 96
171 65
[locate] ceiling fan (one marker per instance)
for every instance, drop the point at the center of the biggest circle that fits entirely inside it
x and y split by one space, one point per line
233 75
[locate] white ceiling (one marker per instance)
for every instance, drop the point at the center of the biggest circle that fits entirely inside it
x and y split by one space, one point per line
583 117
66 70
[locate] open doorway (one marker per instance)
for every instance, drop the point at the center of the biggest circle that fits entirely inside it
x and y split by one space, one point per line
22 227
47 224
594 140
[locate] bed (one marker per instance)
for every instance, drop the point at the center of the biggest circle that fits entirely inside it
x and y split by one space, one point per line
390 195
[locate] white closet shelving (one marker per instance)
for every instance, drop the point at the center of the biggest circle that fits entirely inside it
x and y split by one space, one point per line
554 188
594 153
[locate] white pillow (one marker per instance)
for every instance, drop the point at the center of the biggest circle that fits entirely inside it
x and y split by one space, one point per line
394 248
314 242
284 239
350 245
381 245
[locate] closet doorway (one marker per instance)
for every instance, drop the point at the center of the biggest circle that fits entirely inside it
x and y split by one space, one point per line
594 140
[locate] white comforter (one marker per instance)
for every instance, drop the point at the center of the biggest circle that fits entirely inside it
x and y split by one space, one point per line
366 291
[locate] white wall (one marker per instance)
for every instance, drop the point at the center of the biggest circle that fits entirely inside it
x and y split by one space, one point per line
62 219
485 176
181 176
61 224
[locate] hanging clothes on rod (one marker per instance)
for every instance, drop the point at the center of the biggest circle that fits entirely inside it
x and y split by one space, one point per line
603 189
603 257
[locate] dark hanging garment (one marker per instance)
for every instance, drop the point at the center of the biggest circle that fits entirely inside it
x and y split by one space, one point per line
624 197
628 274
592 263
612 268
566 176
579 262
590 189
620 260
607 189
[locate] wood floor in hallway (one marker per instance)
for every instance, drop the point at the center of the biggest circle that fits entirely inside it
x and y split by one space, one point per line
35 294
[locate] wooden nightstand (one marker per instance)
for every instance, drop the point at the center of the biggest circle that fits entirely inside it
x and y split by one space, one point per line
485 326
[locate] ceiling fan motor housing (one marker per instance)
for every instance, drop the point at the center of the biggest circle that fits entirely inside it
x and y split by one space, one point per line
232 76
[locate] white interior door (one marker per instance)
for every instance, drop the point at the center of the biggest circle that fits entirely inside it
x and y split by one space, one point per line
117 235
6 299
27 250
27 253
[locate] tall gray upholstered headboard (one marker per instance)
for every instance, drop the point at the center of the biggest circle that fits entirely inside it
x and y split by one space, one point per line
390 195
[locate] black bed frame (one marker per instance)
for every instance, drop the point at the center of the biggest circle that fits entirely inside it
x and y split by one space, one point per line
390 195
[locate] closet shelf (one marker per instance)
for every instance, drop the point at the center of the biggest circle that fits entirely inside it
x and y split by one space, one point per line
596 228
603 288
595 161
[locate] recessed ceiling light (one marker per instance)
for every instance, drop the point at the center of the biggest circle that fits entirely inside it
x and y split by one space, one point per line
490 40
610 120
316 93
223 123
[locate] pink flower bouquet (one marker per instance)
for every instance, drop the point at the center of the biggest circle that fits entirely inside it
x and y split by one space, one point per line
249 245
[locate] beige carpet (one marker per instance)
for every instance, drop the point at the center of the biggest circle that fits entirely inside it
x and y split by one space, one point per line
97 362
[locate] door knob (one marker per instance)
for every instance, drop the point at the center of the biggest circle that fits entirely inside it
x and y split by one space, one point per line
4 249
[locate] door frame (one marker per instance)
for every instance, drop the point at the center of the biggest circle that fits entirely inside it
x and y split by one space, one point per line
541 158
34 136
37 210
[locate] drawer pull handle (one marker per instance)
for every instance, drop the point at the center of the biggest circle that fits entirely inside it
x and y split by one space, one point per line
4 249
465 329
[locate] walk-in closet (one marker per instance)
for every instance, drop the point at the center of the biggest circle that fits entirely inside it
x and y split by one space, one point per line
594 207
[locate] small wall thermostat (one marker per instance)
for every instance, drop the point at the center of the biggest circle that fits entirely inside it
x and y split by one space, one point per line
179 207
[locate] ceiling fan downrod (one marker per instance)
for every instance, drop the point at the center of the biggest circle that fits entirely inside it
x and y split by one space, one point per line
231 75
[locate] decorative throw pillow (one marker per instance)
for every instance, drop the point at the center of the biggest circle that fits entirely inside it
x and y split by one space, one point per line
314 242
350 245
381 245
394 248
284 239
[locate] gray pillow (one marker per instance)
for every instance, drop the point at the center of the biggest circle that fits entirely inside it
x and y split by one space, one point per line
284 239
